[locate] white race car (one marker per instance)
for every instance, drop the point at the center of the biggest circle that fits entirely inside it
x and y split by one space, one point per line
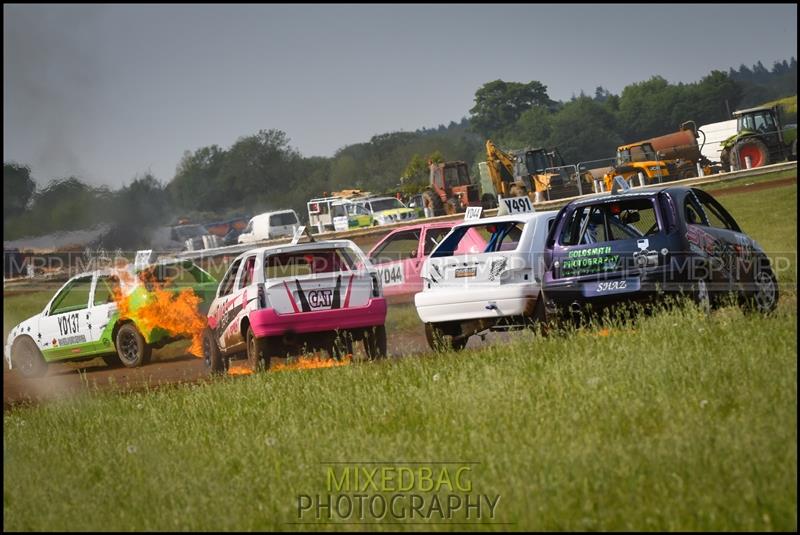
280 299
498 289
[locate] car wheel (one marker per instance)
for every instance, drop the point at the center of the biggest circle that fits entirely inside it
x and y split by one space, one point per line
26 356
765 296
132 349
539 317
375 342
257 356
112 360
341 345
441 341
432 201
212 357
755 149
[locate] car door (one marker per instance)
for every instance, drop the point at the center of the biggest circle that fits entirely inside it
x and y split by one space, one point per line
398 260
734 248
224 311
64 326
102 308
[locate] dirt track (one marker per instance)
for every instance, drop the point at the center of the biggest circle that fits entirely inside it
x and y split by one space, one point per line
172 365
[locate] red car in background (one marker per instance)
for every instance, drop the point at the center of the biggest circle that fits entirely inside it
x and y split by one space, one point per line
398 257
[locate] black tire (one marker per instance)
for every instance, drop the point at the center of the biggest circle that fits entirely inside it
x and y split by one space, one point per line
725 160
765 294
488 201
257 356
430 199
453 206
132 349
212 357
539 317
26 357
112 360
441 341
751 146
341 345
375 342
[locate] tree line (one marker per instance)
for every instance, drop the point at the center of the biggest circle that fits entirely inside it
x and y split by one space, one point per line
263 171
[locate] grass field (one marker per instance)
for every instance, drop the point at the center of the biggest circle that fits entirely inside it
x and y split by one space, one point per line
680 421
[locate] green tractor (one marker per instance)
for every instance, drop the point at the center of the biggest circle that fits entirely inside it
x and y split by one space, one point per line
759 137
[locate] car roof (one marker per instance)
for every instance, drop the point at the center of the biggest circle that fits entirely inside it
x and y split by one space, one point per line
305 245
525 217
630 194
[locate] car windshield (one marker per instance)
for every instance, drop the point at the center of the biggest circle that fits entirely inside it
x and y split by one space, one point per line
502 236
299 263
610 221
385 204
282 219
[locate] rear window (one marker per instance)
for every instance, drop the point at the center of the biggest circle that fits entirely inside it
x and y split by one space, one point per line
503 236
611 221
302 263
285 218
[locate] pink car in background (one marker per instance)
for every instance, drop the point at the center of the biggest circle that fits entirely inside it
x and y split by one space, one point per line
398 257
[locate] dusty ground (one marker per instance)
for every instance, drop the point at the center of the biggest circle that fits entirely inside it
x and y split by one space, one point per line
170 365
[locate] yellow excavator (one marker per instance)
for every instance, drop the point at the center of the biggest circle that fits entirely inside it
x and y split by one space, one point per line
528 172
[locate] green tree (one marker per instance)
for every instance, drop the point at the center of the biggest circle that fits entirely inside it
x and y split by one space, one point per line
499 104
18 188
584 130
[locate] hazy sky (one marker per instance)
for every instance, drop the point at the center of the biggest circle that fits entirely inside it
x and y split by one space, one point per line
108 92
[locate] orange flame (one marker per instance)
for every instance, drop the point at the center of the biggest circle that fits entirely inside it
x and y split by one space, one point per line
176 313
308 363
239 370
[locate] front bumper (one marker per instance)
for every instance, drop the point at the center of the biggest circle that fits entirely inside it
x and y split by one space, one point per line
268 322
458 304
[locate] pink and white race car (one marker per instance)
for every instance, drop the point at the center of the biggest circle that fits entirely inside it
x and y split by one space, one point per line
398 257
288 298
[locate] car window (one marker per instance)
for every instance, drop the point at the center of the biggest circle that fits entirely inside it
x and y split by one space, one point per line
610 221
247 272
692 211
433 237
399 246
503 236
282 219
75 296
226 286
307 262
717 216
107 286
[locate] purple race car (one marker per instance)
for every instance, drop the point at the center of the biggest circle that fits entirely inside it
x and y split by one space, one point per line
637 245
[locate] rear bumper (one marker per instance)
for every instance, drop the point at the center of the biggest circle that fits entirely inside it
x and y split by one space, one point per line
268 322
568 295
457 304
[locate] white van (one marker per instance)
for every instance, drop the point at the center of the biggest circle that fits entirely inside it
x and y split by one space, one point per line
270 225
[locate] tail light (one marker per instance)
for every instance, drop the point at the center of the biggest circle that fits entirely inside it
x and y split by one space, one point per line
376 285
262 297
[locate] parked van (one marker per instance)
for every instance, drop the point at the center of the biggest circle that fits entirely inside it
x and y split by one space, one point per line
270 225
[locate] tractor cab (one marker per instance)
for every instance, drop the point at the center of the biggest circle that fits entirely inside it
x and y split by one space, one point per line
452 185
